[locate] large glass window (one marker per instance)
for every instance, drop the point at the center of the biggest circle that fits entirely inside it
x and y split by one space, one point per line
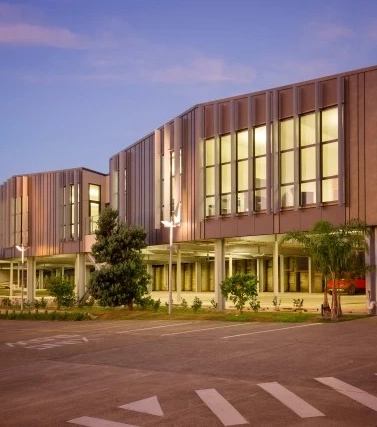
287 166
242 171
260 167
94 205
225 171
329 152
307 159
210 176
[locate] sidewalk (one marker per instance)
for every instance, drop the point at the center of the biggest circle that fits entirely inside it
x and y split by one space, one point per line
312 302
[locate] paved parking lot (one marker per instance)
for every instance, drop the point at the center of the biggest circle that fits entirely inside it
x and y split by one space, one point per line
188 373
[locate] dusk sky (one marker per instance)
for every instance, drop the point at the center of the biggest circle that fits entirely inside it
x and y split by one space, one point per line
82 79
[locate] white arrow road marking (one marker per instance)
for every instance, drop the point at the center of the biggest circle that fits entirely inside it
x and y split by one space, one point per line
289 399
271 330
348 390
150 405
97 422
224 411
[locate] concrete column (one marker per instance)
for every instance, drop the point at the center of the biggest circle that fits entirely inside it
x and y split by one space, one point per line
310 275
230 266
41 279
261 274
275 267
282 275
11 279
166 278
198 276
31 278
18 275
179 277
150 272
80 275
219 271
371 277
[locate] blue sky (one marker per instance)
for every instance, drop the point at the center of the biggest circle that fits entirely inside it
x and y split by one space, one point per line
82 79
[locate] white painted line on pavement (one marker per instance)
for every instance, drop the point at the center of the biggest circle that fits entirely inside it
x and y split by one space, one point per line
292 401
150 405
208 329
97 422
270 330
224 411
350 391
154 327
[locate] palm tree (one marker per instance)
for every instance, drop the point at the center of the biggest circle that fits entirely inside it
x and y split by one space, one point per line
334 251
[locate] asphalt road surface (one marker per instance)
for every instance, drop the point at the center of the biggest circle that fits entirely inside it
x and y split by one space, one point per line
188 373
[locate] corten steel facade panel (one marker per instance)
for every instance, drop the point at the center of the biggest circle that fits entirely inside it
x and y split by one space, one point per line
285 103
371 146
353 93
241 113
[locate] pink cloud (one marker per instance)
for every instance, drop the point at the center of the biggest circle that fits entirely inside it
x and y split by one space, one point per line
205 70
26 34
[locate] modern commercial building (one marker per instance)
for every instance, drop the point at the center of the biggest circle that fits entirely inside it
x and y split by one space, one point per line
235 175
50 217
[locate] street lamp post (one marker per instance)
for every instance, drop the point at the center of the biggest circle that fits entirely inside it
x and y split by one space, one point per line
171 224
22 249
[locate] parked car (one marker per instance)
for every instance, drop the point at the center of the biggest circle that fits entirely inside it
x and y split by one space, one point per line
350 286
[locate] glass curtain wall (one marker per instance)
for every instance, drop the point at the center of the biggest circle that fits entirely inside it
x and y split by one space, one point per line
226 174
260 167
242 171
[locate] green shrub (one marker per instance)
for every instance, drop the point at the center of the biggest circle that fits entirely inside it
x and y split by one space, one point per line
156 305
254 304
62 289
197 303
213 304
184 303
240 288
6 302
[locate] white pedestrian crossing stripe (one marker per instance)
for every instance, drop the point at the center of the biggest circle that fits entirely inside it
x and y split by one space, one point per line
348 390
289 399
229 416
224 411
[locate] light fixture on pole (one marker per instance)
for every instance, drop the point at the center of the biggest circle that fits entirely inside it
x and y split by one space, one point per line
171 224
22 249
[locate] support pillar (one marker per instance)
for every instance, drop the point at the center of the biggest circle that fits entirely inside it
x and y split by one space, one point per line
198 276
230 261
165 282
150 272
282 274
219 272
275 267
178 277
31 278
310 274
260 285
41 279
371 276
80 275
11 280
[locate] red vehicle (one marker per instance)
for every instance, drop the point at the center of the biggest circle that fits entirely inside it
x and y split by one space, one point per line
350 286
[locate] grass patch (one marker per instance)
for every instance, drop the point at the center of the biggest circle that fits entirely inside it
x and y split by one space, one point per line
178 313
50 315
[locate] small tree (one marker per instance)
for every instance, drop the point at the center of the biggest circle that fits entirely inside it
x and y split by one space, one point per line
62 289
240 288
123 279
335 251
